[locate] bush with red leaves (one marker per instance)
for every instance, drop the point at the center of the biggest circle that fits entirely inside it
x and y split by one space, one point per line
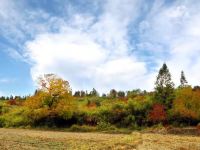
12 102
198 128
157 114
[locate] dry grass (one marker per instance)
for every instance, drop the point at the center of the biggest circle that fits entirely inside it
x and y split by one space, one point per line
154 141
31 139
15 139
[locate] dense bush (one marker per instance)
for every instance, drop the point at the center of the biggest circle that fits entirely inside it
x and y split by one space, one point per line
157 114
15 118
186 106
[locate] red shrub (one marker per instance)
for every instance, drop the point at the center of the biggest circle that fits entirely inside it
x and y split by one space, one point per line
157 114
198 128
12 102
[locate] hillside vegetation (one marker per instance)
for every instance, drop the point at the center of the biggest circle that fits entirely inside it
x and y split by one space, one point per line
54 106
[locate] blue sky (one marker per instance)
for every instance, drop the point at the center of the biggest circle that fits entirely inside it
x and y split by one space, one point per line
103 44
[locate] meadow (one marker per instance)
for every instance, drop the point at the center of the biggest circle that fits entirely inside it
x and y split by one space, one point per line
18 139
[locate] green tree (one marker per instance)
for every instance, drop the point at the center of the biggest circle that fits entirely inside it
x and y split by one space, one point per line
94 93
113 93
77 94
133 93
164 87
183 80
83 94
121 94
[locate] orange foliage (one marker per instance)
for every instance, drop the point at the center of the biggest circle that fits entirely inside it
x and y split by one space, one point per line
92 105
35 101
187 103
157 114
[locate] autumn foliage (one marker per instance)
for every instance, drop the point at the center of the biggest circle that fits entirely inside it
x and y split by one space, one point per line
12 102
187 104
157 114
52 104
52 100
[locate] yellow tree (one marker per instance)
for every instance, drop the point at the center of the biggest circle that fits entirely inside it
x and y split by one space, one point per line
53 98
55 87
187 103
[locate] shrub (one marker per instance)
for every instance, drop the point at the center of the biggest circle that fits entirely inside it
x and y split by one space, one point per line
15 118
129 120
105 126
104 114
12 102
83 128
157 114
186 106
65 109
91 118
139 108
113 115
36 115
93 102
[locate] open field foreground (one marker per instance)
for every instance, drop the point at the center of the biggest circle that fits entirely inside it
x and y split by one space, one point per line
14 139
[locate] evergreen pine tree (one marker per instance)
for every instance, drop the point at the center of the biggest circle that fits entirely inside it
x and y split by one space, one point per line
164 87
183 80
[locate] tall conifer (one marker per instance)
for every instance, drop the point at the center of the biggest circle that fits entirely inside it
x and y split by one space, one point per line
164 87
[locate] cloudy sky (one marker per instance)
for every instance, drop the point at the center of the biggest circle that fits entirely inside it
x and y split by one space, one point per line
103 44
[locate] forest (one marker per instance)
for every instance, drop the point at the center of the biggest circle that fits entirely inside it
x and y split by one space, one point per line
53 105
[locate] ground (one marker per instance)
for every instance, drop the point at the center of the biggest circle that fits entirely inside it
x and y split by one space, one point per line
15 139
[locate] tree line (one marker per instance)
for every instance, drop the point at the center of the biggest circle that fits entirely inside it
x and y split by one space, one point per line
54 105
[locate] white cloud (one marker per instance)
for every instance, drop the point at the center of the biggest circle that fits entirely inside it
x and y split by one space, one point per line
95 50
176 28
91 53
76 56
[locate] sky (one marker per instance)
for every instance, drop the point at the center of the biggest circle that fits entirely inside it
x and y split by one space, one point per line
101 44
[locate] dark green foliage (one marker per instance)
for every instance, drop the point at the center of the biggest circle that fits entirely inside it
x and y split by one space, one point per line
105 126
94 93
77 94
103 95
196 88
3 98
82 93
83 128
113 93
133 93
183 80
139 108
121 94
164 89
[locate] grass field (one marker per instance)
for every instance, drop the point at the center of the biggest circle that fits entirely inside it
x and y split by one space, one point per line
15 139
